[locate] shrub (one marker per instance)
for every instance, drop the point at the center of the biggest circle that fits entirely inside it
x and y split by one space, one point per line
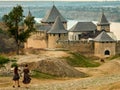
3 60
14 64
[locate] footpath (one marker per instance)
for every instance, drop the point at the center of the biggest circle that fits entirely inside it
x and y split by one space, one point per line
90 83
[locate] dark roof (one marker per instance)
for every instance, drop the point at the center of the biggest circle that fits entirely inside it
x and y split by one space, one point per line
57 27
103 37
52 14
29 14
112 35
83 27
43 27
103 19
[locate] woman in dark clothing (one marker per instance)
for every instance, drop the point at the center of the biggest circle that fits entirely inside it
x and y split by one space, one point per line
26 77
16 77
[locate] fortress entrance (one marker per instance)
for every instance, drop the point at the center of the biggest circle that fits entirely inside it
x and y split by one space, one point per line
107 52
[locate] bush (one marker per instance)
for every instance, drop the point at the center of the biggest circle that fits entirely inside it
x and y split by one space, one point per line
14 64
3 60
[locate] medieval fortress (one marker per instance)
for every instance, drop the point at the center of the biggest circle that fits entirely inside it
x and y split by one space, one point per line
85 37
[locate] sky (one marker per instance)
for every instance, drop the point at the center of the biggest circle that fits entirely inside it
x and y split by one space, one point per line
58 0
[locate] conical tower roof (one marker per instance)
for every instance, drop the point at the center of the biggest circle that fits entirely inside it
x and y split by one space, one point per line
57 27
103 20
103 37
52 14
29 14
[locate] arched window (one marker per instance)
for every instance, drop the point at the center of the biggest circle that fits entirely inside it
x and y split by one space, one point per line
107 52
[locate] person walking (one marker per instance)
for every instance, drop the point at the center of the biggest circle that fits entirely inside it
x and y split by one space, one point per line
16 77
26 77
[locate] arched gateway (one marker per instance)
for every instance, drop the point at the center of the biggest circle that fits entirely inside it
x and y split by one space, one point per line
107 52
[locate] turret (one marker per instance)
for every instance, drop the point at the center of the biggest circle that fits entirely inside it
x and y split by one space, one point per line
56 33
103 24
50 17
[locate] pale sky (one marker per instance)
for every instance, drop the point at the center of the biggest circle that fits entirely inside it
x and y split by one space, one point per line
58 0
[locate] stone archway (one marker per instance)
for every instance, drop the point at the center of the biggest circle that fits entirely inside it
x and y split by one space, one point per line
107 52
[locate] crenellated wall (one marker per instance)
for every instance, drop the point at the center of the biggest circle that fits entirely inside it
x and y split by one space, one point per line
37 40
54 38
43 40
83 47
103 27
53 41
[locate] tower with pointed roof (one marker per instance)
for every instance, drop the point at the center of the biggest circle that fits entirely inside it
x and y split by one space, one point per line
56 33
28 16
104 45
26 45
103 23
50 17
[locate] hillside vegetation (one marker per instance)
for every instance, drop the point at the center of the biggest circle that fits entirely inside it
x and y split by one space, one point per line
78 60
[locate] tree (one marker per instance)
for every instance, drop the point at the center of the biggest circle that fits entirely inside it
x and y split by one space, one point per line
13 20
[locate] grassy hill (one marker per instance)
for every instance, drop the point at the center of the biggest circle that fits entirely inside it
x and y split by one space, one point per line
78 60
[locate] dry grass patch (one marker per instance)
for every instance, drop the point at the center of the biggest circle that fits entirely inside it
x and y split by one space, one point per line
113 86
5 81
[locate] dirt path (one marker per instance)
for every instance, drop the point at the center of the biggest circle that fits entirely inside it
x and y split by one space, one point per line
101 77
90 83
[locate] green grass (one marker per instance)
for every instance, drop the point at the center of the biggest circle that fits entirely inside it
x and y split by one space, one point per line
114 57
78 60
39 75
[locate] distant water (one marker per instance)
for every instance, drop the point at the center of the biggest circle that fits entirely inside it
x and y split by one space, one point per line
72 11
80 11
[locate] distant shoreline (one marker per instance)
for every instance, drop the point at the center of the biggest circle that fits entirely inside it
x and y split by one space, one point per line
76 10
